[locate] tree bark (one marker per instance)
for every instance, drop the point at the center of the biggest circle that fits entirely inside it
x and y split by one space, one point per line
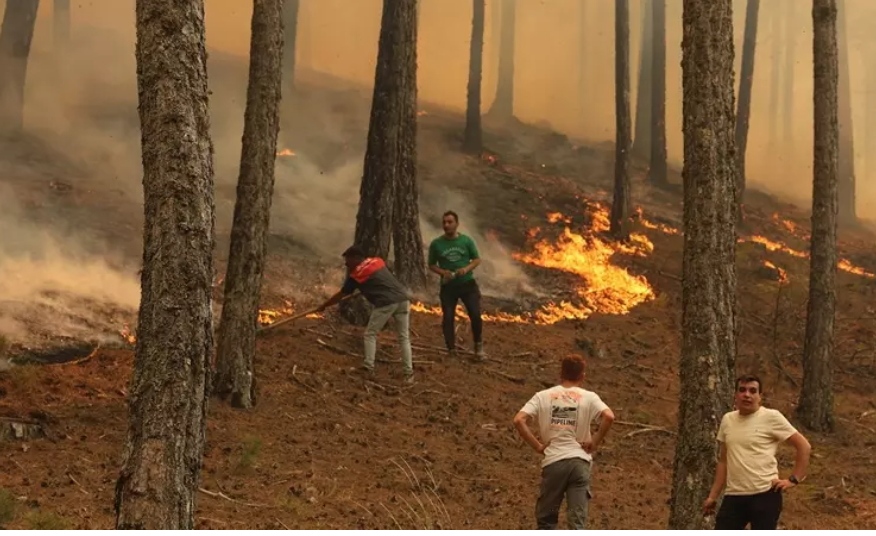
159 478
815 409
775 13
61 24
645 81
583 59
620 206
870 114
743 114
657 173
473 141
290 40
503 104
235 375
374 220
407 239
790 36
709 267
16 35
846 186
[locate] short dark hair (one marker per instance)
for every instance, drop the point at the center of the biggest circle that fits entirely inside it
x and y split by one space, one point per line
749 378
451 213
354 252
572 368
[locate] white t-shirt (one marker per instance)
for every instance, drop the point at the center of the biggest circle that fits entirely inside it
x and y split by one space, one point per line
563 415
751 442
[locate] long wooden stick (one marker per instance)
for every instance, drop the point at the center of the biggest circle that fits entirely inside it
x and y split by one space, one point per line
299 315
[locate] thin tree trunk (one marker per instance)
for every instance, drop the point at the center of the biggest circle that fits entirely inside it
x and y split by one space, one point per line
791 30
775 13
815 409
583 59
644 93
621 204
709 266
743 114
290 41
61 24
503 104
235 374
473 142
374 220
407 239
657 170
162 459
847 209
16 35
870 114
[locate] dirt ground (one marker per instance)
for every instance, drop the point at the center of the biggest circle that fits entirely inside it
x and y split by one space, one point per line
323 449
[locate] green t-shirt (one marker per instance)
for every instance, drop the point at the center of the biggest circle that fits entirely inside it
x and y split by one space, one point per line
453 254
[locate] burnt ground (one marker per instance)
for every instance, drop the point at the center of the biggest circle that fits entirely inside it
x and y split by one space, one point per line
323 449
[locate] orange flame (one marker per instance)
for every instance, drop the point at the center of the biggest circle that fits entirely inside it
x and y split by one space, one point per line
781 273
127 335
286 152
269 316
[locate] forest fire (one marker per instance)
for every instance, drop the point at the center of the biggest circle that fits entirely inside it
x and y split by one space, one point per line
607 288
781 274
269 316
128 335
771 245
286 152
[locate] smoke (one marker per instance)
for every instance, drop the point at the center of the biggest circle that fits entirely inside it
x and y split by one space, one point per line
59 284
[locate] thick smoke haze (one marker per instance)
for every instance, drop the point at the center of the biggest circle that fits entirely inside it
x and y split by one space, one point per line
81 107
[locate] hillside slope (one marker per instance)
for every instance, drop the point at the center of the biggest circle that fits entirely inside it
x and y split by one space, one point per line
324 449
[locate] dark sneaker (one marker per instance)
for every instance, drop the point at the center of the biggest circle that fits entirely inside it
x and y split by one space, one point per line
365 372
479 352
409 379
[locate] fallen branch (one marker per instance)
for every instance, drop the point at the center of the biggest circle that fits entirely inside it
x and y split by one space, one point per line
506 376
227 498
336 349
647 430
644 426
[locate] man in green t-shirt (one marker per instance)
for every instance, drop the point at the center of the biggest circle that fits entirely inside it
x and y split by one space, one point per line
454 256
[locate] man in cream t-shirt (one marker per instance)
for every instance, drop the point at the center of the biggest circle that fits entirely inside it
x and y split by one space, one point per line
563 415
747 464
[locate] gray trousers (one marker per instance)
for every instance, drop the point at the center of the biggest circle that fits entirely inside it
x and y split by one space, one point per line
569 478
401 313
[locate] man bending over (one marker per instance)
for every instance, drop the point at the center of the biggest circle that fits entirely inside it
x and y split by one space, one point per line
388 296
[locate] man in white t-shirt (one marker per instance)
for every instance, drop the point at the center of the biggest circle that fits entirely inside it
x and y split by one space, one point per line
563 415
747 470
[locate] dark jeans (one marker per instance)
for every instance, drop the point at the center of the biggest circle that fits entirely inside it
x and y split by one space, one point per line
470 294
569 478
762 510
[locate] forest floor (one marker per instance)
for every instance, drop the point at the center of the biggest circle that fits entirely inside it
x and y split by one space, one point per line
324 449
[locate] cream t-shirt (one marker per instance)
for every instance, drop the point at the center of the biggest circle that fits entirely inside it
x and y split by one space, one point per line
751 442
563 416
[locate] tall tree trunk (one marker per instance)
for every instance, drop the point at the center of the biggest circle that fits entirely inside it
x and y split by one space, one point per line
743 114
709 266
870 114
846 187
775 13
374 220
290 40
492 65
583 59
473 142
791 29
621 204
407 239
657 172
159 478
642 136
61 24
235 375
815 409
16 35
503 104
